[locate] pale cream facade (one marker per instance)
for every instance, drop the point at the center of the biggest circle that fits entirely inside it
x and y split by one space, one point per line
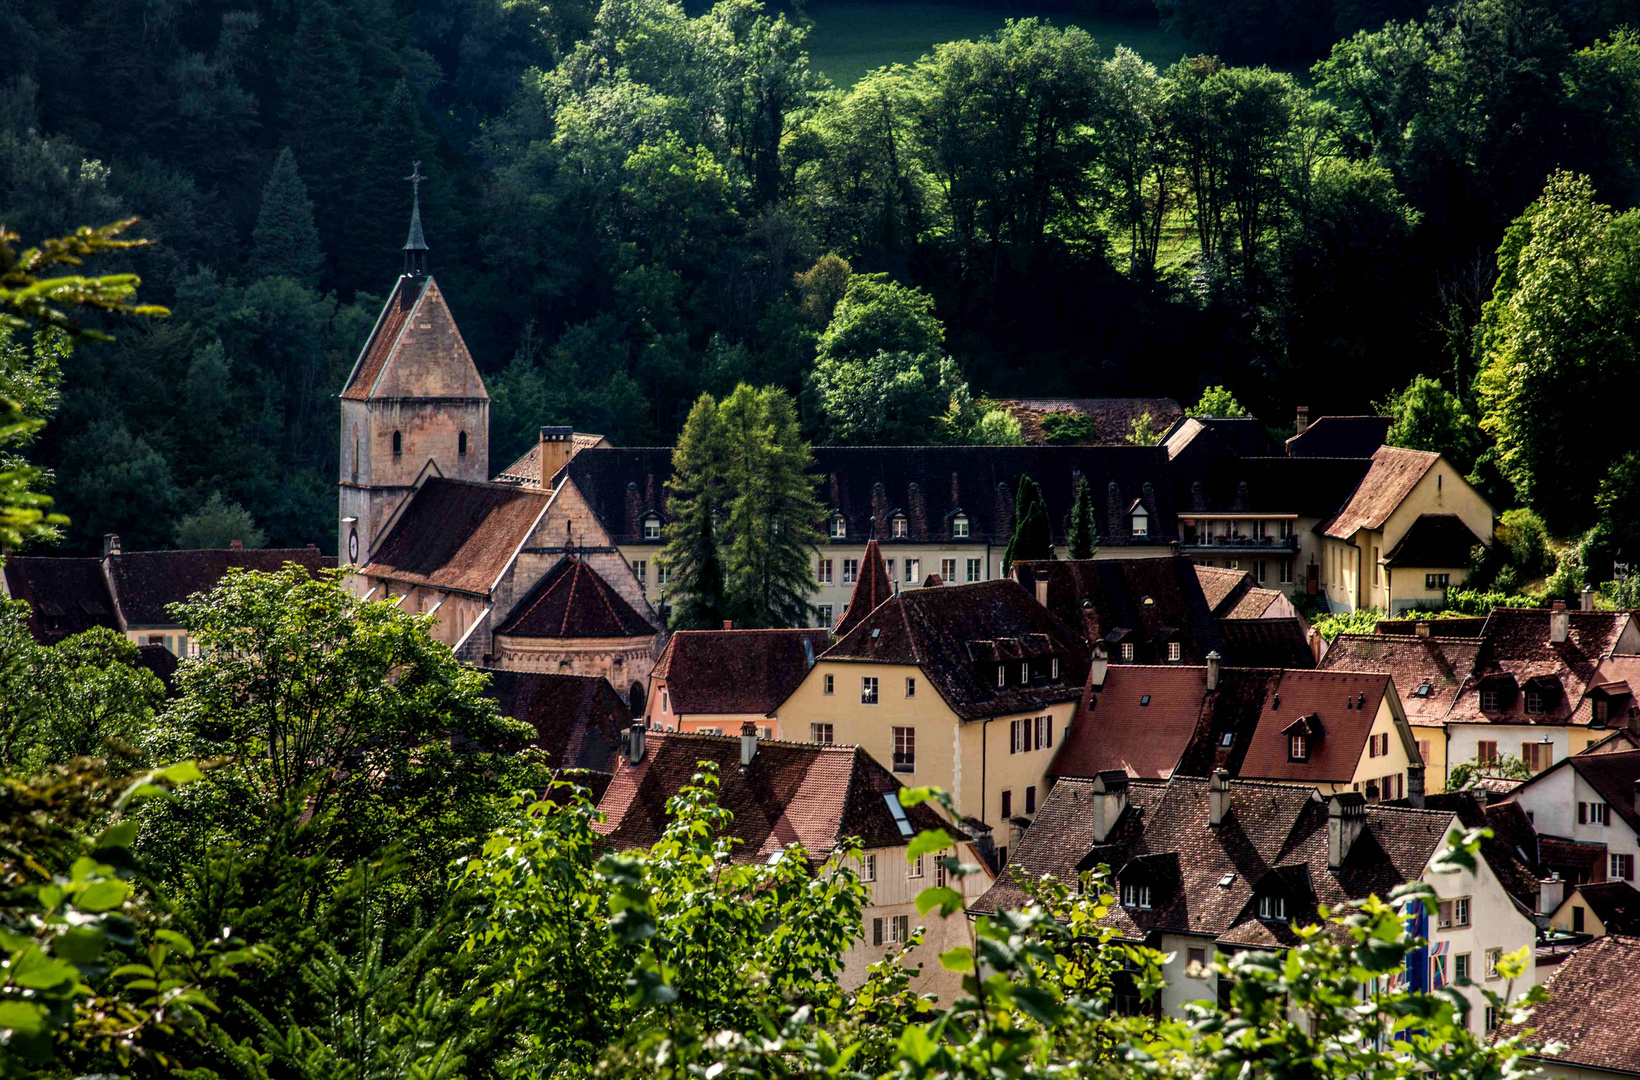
969 758
890 915
1391 747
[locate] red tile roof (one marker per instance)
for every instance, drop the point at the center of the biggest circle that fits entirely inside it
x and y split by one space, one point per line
458 534
1344 704
389 325
736 671
1428 672
1139 721
574 601
1517 650
1593 1000
1391 478
1459 626
579 720
871 588
791 793
1224 589
65 596
146 583
957 634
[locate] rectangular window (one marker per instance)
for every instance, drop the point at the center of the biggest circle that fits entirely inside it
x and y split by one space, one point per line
896 528
868 864
915 868
1534 703
851 571
1493 957
888 564
1451 914
651 529
913 571
1260 570
1622 868
1127 650
1002 675
1577 919
905 749
1007 805
1025 673
1433 582
911 688
1486 752
1013 737
1174 651
948 571
1492 1018
901 926
1136 896
823 571
640 567
1286 530
1272 908
820 733
1030 799
868 690
959 528
839 528
663 575
973 570
1041 727
1053 669
1489 701
1537 755
824 611
1377 568
939 874
1296 750
1286 569
1197 963
1460 967
1002 855
876 931
831 684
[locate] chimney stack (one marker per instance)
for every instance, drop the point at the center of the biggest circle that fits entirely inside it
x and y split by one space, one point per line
1346 816
111 544
1422 628
728 624
1110 791
1213 660
635 742
236 545
1042 588
1586 598
557 444
748 743
1415 786
1098 666
1560 623
1303 419
1218 798
1551 893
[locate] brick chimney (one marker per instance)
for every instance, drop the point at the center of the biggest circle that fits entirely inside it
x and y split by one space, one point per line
236 545
1213 661
1586 598
1302 420
1560 623
748 743
1346 817
1218 798
635 742
1110 792
557 444
111 544
1415 786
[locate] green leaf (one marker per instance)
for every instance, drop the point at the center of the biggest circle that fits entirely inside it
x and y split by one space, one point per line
35 972
927 842
183 772
101 896
959 959
80 944
121 834
22 1016
948 900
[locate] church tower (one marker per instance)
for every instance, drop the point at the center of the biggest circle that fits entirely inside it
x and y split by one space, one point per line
414 405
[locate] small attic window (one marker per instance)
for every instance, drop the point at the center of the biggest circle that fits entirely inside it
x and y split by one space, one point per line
959 526
1424 689
1141 521
1227 739
839 527
897 527
652 527
1149 601
1144 699
1227 880
1297 748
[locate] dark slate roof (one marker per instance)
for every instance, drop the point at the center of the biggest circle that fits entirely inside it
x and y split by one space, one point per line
1341 436
1428 672
1615 903
1112 418
458 534
1434 540
871 588
579 720
736 671
958 633
147 582
1266 643
1154 600
868 485
1273 837
574 601
1593 1000
1212 481
791 793
65 596
1393 475
1240 436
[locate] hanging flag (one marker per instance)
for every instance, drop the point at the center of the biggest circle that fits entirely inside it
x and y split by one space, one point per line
1437 964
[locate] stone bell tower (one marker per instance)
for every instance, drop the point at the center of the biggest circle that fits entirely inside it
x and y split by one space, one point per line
414 405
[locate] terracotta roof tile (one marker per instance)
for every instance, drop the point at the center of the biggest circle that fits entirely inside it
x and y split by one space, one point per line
579 720
1516 650
1139 721
458 534
147 582
1428 672
1344 705
65 596
1224 589
1593 1000
790 793
736 671
871 588
1340 436
957 633
1573 859
1391 478
574 601
1440 625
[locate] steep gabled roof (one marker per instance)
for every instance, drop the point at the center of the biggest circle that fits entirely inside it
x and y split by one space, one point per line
1341 436
1393 475
65 596
1615 903
1140 721
574 601
1434 540
458 534
791 793
1428 671
579 719
1223 589
148 582
957 633
871 588
1593 1000
1614 777
1516 650
736 671
1156 600
1266 643
415 350
1344 704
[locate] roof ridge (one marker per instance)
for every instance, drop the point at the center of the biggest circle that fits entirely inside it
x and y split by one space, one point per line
600 587
569 603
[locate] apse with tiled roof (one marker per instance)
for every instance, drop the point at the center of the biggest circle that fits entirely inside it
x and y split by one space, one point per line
413 406
815 795
573 622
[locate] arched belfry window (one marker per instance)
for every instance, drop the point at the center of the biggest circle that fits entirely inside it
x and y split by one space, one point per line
398 444
461 444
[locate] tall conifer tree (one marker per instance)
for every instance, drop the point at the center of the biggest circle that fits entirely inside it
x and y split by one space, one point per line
1033 535
324 112
691 553
286 241
1083 538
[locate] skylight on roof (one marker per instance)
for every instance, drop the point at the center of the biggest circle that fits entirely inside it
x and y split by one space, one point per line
1424 689
893 800
876 631
1227 738
1227 880
1144 699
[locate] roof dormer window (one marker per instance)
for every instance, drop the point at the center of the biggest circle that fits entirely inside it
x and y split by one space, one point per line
1140 520
839 527
1136 895
1272 908
652 527
1297 748
897 527
959 526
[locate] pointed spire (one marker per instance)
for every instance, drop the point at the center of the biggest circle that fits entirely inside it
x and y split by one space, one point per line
415 245
871 588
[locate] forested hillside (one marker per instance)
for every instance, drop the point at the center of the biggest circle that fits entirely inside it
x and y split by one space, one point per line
630 203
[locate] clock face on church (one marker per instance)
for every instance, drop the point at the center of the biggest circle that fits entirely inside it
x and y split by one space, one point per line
353 545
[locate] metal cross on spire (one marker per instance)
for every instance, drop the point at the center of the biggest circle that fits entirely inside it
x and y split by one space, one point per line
415 179
416 243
